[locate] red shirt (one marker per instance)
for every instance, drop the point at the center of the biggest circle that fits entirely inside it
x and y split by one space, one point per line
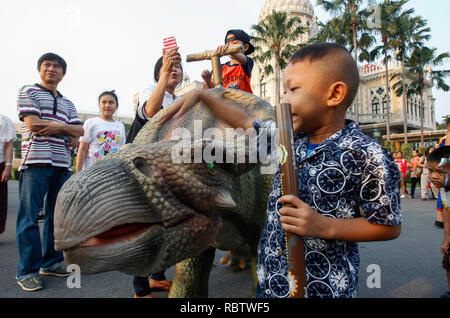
235 76
402 166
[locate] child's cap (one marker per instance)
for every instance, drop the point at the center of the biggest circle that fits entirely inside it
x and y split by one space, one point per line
241 36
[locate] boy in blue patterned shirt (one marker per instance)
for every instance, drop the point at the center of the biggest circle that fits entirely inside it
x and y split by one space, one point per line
348 184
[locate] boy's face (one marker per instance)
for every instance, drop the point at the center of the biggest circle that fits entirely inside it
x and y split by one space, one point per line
306 91
51 72
436 174
231 40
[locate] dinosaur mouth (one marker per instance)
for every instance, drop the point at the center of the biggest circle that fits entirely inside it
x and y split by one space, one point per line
121 233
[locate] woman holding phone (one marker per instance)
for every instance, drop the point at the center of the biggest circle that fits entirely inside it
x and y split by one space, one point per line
167 75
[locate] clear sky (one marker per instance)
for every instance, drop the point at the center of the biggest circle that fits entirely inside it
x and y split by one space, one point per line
114 44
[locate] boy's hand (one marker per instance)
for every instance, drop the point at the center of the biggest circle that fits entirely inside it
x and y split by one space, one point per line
207 78
445 245
222 48
301 219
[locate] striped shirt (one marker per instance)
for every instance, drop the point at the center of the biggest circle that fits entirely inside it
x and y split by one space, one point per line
38 100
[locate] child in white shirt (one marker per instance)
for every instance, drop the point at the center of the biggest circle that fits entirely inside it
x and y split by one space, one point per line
102 135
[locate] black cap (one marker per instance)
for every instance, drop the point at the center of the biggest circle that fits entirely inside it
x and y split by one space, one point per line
242 36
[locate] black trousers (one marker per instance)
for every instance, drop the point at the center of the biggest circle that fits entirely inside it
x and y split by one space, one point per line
413 185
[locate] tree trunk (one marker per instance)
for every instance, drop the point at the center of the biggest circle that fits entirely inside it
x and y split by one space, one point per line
405 103
421 120
277 81
388 92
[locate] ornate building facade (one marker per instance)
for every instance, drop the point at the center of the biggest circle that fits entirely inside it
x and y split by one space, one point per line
372 95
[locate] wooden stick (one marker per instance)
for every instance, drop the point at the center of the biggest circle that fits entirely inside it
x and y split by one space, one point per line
295 253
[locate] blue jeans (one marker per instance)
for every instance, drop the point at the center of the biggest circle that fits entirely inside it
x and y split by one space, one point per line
35 184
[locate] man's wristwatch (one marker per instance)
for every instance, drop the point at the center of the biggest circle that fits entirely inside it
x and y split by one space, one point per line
9 164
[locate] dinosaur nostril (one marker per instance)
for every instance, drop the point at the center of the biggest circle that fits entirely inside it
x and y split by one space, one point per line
140 164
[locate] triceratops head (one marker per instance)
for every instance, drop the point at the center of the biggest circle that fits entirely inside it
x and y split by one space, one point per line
139 211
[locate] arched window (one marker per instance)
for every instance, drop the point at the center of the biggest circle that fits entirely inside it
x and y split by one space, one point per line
376 106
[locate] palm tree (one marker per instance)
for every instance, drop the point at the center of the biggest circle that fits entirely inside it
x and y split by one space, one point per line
407 33
391 12
350 18
419 65
273 40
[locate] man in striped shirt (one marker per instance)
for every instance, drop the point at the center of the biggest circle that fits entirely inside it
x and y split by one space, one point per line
50 127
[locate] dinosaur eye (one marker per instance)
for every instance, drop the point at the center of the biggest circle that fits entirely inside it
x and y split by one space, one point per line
211 168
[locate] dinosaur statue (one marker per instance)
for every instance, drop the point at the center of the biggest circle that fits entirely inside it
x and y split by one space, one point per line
138 212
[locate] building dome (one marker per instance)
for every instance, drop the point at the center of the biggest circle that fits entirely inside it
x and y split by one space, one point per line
293 7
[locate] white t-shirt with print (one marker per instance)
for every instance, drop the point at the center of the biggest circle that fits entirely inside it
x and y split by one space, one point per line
103 137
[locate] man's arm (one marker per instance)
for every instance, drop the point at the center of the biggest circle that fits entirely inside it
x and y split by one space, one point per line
241 57
50 127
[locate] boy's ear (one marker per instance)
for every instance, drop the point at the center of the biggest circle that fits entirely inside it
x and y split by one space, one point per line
246 46
336 94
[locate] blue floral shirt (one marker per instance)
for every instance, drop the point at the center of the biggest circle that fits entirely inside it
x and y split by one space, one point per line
349 175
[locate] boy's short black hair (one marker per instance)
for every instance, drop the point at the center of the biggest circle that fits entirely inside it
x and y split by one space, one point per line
241 36
340 62
438 154
52 57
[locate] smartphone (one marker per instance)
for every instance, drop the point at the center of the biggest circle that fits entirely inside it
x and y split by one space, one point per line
169 43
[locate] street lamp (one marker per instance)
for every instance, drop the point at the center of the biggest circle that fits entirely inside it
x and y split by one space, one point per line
376 135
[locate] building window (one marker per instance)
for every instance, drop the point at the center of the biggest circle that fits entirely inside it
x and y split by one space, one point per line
375 106
263 90
384 104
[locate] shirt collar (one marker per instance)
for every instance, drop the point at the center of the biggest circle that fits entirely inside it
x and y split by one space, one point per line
342 139
48 90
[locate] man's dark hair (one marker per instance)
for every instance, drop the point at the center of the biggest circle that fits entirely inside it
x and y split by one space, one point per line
447 120
438 154
158 66
111 93
341 64
52 57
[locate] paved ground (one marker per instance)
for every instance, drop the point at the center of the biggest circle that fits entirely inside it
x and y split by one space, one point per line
410 265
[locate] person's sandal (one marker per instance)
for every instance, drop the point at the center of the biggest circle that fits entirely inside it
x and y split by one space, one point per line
160 284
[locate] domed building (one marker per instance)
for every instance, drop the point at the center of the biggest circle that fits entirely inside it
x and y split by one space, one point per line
264 86
372 95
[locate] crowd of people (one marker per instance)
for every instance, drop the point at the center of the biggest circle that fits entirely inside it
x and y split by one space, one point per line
321 81
417 169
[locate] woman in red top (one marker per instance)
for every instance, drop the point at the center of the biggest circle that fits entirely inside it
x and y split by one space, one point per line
403 167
